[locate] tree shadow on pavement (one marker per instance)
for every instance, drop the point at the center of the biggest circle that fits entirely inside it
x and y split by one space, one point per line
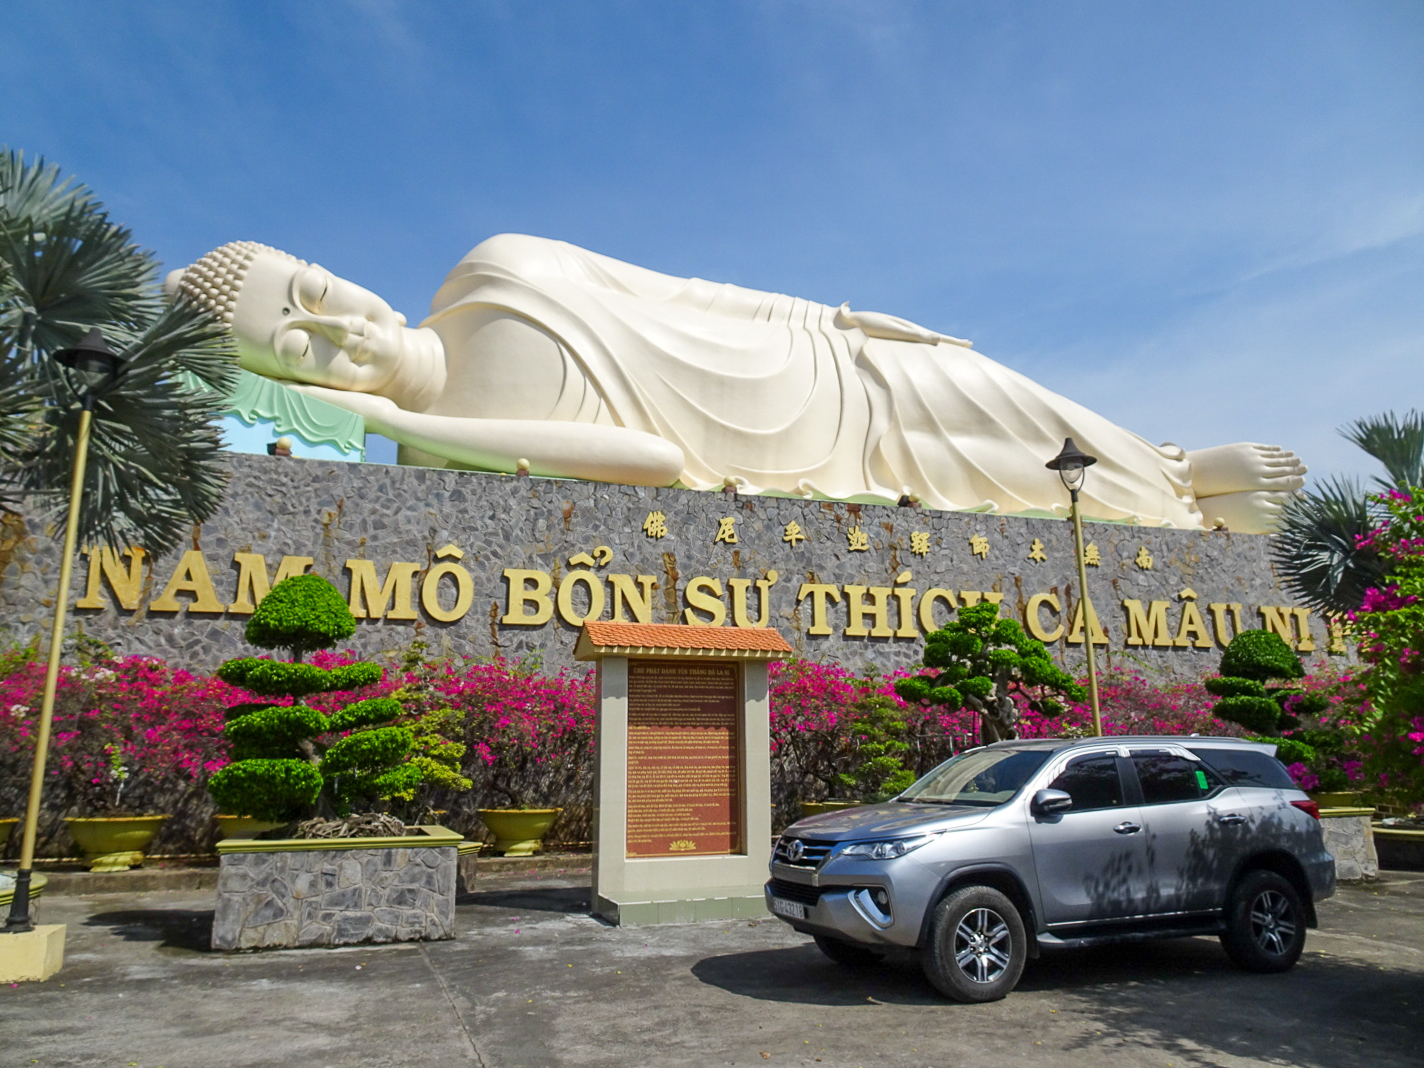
1181 999
183 929
1185 1001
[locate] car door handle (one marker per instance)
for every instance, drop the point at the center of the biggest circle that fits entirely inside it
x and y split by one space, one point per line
1231 817
1128 828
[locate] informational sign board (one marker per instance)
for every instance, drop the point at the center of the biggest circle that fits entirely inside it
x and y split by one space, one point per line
684 771
682 810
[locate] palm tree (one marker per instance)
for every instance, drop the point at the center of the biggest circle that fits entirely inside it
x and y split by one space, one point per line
65 267
1315 548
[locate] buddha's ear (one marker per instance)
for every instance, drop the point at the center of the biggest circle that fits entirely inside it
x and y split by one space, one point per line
171 281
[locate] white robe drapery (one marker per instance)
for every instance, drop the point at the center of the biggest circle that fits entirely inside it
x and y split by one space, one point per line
768 389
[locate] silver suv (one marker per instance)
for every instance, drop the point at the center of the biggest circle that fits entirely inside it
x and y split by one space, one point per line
1074 842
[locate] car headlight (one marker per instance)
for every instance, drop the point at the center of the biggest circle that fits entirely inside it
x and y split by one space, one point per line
887 849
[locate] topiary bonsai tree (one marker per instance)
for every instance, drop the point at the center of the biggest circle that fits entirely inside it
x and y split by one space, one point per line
291 761
879 730
984 661
1253 658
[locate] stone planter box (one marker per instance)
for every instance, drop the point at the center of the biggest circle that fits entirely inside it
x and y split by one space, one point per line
1399 849
281 893
1349 841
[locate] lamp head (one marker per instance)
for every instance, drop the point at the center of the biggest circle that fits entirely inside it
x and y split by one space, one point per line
93 360
1071 463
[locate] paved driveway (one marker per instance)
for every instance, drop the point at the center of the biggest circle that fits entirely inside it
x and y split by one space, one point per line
533 980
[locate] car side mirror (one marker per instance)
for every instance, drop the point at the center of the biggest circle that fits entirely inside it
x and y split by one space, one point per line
1051 802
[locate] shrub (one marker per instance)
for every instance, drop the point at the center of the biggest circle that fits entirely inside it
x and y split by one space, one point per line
301 614
1260 655
1234 687
291 759
1389 626
1252 658
985 663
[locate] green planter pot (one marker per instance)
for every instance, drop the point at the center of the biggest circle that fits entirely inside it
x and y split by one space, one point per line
242 826
1336 798
114 843
7 824
519 832
815 808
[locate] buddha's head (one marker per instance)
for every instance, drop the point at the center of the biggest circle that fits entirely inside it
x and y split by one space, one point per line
297 321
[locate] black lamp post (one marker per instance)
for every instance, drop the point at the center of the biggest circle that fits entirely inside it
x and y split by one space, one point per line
97 366
1072 465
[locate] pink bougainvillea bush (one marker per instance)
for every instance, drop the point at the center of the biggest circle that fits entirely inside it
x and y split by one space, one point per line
134 733
1130 703
1389 626
130 735
527 735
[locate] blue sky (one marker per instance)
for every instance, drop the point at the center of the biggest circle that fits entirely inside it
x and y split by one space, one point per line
1204 220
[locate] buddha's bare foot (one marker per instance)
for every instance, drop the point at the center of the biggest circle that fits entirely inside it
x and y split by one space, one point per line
1245 466
1245 486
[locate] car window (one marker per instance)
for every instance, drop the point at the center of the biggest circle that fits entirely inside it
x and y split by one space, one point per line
982 777
1092 782
1166 777
1247 767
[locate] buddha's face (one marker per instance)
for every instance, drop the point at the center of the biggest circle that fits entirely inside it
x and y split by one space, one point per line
301 322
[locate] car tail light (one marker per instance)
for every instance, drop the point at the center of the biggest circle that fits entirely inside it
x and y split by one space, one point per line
1307 806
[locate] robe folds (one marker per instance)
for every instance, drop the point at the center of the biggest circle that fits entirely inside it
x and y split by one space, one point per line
785 398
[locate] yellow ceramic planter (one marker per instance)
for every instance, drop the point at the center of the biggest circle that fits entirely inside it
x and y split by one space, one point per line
38 881
114 843
519 832
7 824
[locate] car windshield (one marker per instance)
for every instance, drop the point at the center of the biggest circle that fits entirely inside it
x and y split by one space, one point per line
982 777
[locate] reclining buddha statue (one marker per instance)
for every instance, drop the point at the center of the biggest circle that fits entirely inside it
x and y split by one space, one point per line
539 355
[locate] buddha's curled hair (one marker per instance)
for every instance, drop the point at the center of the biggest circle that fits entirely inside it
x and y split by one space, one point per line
214 281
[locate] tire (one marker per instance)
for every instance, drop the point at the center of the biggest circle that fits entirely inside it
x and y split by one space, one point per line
847 954
977 945
1265 923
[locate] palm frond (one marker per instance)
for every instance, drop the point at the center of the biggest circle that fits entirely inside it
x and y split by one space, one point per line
1315 553
19 419
37 190
154 466
1396 442
82 271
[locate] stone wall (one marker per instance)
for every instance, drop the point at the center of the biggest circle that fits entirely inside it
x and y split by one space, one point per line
334 897
454 550
1349 841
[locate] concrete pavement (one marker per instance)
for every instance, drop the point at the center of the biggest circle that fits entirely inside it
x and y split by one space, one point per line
533 980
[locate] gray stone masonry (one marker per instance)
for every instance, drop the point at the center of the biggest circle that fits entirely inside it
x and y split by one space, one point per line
1349 840
877 568
334 897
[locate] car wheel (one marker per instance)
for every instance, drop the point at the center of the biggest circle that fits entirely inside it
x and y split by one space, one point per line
1265 923
977 945
847 954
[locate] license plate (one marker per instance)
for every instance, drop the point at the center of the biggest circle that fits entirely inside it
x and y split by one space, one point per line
792 910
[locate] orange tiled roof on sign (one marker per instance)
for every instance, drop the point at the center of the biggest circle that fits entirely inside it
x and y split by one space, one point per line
677 636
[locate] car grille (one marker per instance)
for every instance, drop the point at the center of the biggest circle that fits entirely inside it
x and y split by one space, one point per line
807 895
812 852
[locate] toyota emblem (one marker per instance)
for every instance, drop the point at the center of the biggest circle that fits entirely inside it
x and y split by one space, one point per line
796 850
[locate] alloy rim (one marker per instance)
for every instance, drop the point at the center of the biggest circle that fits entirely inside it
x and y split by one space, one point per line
1273 922
981 945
